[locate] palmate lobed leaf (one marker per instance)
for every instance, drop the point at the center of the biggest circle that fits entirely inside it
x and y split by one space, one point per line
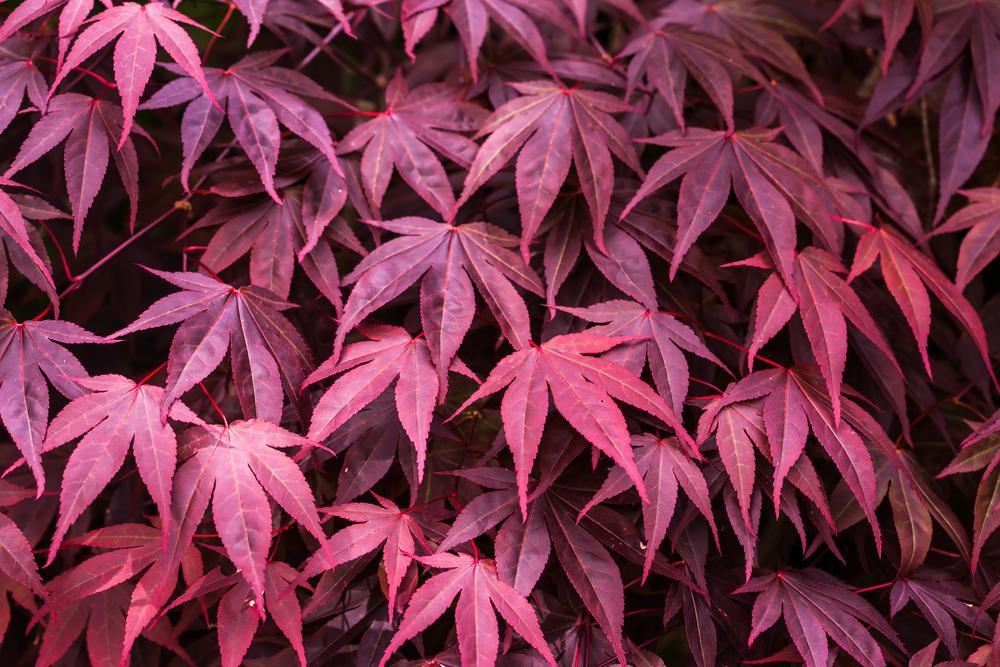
414 125
88 126
239 465
582 388
139 28
268 354
815 606
549 127
255 96
479 591
451 259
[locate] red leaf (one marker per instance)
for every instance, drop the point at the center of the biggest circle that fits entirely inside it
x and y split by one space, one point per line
581 388
268 353
140 27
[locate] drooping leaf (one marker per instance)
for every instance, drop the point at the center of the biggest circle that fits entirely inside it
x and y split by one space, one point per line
30 353
414 125
816 606
255 96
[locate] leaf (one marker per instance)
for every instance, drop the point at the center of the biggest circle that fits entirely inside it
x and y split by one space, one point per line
374 526
403 135
825 300
479 591
582 389
451 259
255 96
981 245
471 20
16 559
907 271
940 602
767 179
29 350
816 606
276 238
544 125
593 574
268 353
241 461
238 618
665 53
117 413
963 138
140 28
368 369
664 468
89 126
986 519
23 248
795 404
19 77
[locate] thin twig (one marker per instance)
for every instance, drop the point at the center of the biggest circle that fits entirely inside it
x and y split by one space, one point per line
931 173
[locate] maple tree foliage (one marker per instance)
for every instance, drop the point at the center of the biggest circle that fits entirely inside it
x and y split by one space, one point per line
496 332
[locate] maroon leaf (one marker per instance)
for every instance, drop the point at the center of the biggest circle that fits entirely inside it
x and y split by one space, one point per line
256 96
239 465
479 591
451 259
402 136
139 28
544 126
268 353
582 388
117 413
89 126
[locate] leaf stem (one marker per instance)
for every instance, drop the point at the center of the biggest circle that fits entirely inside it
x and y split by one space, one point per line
83 70
150 375
874 588
77 280
218 32
856 223
743 349
62 255
214 404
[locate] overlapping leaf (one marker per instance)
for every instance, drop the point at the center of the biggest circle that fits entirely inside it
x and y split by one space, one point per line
139 28
582 389
549 127
773 184
30 353
239 465
414 125
90 127
374 525
451 259
981 245
268 354
479 591
117 413
664 339
256 96
817 606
